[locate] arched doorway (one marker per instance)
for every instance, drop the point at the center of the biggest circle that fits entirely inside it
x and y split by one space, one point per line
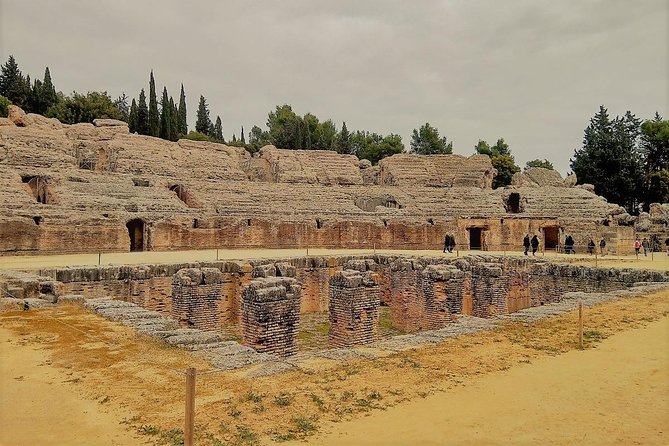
136 234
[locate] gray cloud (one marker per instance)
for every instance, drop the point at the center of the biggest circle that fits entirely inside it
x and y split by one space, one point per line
530 71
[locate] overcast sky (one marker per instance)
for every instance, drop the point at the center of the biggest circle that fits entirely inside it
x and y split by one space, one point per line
530 71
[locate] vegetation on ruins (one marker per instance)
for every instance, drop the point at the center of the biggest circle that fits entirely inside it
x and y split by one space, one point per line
426 141
502 160
544 164
154 120
626 161
84 108
4 104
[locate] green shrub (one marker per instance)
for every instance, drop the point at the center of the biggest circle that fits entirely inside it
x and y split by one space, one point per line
4 103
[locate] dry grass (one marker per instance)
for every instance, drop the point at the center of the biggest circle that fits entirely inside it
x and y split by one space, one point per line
111 363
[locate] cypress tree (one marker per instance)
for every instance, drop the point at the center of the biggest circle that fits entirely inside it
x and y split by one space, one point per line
218 130
142 115
203 123
154 118
132 119
344 140
183 124
174 121
307 136
165 118
48 96
34 103
242 139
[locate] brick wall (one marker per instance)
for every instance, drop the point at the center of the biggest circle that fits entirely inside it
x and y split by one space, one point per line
196 298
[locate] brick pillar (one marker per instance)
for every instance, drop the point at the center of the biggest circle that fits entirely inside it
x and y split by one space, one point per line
196 298
442 288
354 308
271 315
406 308
490 288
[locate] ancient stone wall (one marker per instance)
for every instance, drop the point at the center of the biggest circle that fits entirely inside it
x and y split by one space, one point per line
95 179
271 315
354 308
196 297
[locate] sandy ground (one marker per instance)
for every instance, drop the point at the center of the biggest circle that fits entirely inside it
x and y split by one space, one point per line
658 261
69 376
617 394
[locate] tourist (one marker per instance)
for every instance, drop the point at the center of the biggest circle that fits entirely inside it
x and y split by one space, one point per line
451 244
646 246
602 246
637 246
666 243
591 246
526 243
447 242
569 245
535 244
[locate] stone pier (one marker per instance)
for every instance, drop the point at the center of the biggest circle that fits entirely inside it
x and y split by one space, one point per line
354 308
271 315
196 298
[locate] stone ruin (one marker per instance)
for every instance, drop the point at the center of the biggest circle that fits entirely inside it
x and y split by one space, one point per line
98 188
354 308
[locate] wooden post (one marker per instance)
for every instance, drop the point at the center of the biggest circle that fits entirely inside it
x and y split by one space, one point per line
216 253
580 325
457 253
190 407
99 258
595 257
307 250
374 247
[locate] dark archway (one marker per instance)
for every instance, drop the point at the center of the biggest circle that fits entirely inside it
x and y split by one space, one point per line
513 203
475 238
136 234
551 237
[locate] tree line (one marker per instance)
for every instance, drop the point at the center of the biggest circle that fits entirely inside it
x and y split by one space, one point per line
627 160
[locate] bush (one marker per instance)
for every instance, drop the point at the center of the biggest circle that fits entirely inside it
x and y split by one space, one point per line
4 103
197 136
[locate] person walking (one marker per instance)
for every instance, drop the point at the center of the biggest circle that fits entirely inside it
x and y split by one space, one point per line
637 246
569 245
591 246
451 243
666 243
535 244
646 246
602 246
526 243
447 242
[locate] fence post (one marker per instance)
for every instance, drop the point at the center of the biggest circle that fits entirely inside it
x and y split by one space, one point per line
216 253
99 258
580 325
190 407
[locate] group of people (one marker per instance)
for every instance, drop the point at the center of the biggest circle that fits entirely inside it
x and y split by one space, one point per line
449 243
534 243
592 246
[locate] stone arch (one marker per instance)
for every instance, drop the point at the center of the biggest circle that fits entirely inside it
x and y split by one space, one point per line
513 204
39 186
183 194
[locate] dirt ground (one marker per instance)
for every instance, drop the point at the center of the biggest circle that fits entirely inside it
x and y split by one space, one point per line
658 261
71 377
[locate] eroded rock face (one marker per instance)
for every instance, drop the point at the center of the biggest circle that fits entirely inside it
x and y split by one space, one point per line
538 177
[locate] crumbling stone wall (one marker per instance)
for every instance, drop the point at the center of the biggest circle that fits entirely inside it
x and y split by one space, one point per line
196 298
354 308
271 315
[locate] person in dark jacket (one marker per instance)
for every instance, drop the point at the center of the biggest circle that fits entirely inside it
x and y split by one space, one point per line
535 244
569 245
451 244
526 243
602 246
591 247
447 242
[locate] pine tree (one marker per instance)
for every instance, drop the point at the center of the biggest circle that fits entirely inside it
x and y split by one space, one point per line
34 102
121 104
132 118
142 115
165 118
183 124
218 130
203 123
154 118
242 138
13 85
174 121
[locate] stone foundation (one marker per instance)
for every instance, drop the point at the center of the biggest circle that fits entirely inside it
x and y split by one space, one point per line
196 298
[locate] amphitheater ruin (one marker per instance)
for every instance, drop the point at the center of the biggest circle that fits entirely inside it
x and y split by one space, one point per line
97 188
